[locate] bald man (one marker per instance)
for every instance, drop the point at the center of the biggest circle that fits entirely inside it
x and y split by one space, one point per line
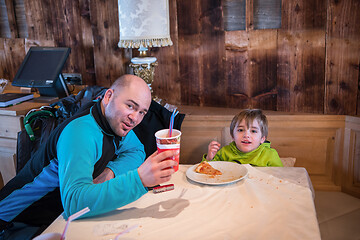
93 159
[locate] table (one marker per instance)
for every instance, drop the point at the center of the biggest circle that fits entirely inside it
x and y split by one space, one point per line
261 206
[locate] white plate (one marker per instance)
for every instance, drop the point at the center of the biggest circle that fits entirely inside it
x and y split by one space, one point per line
231 172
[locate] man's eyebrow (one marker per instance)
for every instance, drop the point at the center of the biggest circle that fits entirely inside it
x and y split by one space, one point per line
135 103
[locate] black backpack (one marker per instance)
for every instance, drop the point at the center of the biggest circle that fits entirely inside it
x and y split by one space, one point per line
39 123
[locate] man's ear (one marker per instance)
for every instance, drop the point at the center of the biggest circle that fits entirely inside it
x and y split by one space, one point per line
263 139
108 94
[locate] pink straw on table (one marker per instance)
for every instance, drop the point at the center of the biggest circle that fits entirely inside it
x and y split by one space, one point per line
71 218
174 113
117 237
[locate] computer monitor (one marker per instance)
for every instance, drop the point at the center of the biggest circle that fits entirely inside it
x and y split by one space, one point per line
41 69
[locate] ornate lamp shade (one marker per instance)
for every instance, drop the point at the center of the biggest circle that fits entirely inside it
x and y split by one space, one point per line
144 23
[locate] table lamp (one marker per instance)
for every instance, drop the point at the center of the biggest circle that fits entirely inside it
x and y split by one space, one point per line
144 24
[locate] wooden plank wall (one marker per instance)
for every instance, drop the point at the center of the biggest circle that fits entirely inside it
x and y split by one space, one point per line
310 64
167 84
342 63
201 51
301 42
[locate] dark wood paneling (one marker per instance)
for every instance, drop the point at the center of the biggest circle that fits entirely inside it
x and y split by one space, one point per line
212 53
202 50
342 57
358 93
284 75
251 60
38 17
167 80
263 68
190 44
303 14
78 35
12 53
110 60
301 57
311 64
238 86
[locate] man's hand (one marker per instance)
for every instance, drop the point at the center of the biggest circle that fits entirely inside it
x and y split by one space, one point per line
213 147
156 170
107 174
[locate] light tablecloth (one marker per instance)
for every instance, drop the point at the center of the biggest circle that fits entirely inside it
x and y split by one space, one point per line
261 206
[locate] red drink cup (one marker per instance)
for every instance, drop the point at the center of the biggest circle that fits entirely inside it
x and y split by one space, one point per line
164 142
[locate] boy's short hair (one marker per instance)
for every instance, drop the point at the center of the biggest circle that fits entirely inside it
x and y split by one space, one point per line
250 115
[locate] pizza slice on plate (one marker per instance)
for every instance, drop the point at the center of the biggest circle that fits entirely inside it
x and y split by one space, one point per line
205 168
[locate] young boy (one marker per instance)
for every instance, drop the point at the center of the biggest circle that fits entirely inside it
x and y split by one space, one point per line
248 130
